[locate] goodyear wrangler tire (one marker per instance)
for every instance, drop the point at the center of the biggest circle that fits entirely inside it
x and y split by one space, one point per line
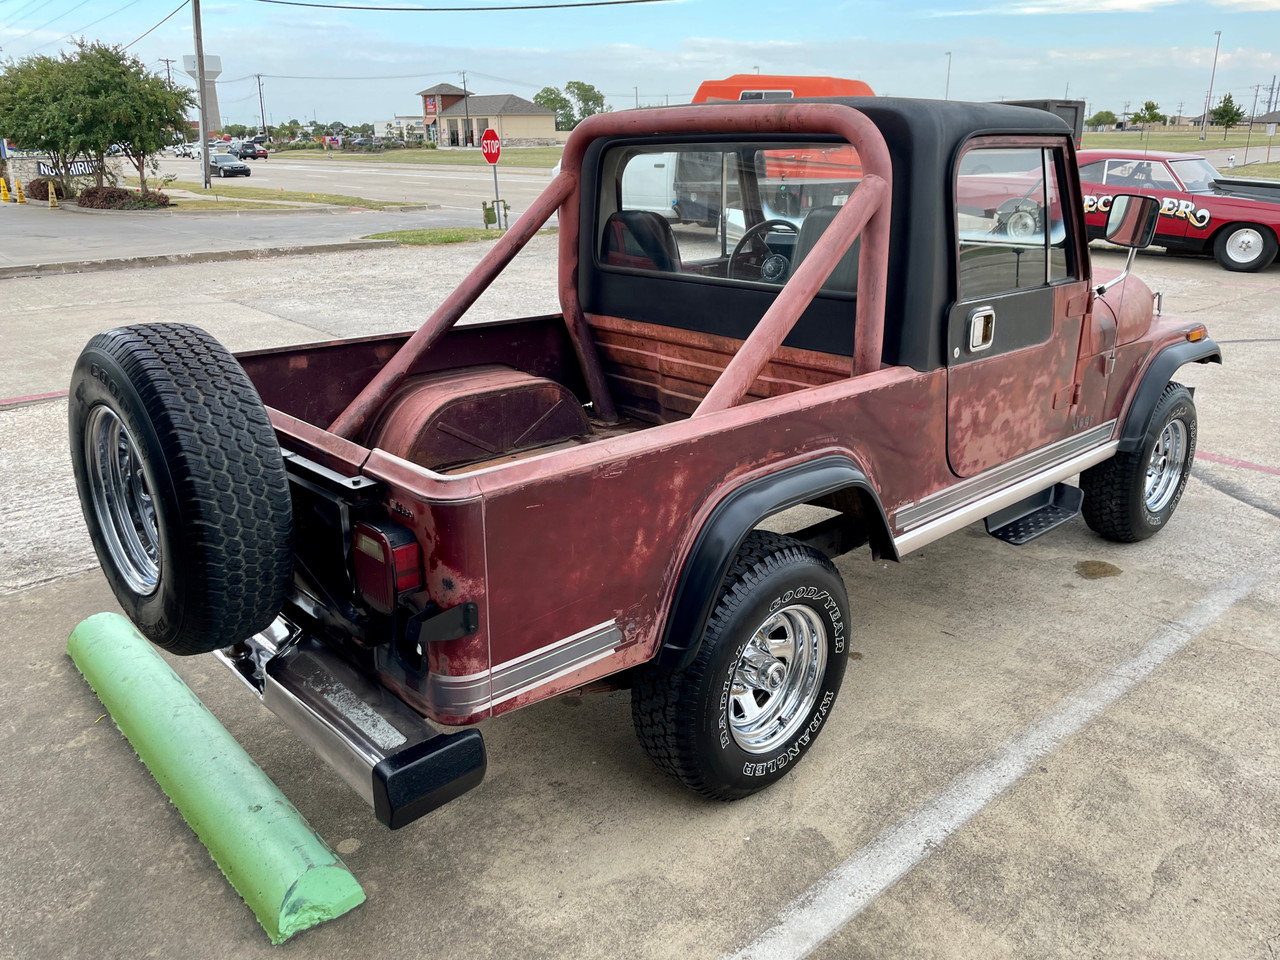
182 485
1132 496
764 680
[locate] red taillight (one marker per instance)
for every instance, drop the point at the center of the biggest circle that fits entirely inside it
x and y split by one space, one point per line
388 564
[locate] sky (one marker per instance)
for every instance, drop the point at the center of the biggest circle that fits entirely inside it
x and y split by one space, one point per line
315 62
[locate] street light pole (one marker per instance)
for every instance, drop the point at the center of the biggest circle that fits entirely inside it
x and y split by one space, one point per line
204 120
1204 120
947 92
262 107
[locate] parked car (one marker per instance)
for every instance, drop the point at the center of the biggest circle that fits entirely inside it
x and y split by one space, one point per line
188 150
377 532
228 165
1236 219
248 150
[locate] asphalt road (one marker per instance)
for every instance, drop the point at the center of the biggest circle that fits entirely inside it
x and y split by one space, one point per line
1064 749
454 188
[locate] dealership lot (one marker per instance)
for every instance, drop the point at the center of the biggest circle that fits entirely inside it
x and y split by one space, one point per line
1146 829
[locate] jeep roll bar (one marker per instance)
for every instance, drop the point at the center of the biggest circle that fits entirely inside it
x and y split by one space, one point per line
866 214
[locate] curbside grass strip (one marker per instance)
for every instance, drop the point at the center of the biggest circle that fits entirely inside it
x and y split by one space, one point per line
290 878
172 259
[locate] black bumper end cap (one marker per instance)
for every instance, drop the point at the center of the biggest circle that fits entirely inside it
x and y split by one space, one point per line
417 780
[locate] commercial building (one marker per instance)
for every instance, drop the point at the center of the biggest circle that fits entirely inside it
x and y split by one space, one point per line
453 117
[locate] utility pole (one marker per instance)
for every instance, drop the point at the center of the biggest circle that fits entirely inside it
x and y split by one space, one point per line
466 108
1180 102
946 91
168 71
262 107
1253 112
637 92
204 121
1204 121
1066 94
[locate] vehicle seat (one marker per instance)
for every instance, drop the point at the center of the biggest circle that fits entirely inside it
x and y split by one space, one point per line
844 278
642 239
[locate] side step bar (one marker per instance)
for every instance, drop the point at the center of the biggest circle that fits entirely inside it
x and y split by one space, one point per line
1037 514
401 766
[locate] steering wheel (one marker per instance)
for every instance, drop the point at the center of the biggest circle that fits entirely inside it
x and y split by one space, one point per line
773 267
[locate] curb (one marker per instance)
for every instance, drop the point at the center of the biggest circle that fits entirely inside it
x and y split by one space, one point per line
173 259
290 878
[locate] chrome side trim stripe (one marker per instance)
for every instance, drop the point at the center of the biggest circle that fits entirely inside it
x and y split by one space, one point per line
460 696
984 507
944 501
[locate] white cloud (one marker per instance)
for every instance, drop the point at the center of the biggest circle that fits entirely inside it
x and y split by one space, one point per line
1065 7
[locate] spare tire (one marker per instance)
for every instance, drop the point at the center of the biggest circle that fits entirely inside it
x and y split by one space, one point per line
182 485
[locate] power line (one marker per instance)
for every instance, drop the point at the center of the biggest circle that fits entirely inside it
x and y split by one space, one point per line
87 25
175 10
282 76
529 6
54 20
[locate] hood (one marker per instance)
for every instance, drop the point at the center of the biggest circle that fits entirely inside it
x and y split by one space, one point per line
1248 188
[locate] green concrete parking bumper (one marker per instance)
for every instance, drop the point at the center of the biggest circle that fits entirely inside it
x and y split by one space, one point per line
285 872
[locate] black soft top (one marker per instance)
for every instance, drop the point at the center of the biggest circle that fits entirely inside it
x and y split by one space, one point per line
924 138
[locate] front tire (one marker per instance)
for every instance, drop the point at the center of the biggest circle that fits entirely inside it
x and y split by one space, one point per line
1245 247
1132 496
764 680
182 485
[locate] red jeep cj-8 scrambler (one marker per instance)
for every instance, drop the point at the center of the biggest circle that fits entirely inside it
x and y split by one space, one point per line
454 524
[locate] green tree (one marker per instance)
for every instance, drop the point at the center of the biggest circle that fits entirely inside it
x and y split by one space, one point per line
1227 114
586 99
552 98
32 92
238 130
83 102
1150 113
1103 118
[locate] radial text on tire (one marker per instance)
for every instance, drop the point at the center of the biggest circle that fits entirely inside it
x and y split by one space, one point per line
1132 496
182 485
765 678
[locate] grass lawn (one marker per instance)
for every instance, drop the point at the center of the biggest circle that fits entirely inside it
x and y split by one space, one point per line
1269 171
511 156
263 193
1182 142
438 236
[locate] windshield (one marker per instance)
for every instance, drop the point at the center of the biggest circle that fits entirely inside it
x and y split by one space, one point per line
1196 175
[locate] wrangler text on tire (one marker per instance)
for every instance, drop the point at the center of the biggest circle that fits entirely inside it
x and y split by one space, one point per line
765 677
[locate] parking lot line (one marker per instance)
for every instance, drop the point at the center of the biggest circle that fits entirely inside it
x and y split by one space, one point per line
1233 462
846 891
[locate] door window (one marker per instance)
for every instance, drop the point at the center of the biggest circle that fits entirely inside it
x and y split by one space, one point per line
1010 225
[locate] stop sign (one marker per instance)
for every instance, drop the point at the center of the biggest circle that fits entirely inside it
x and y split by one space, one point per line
490 145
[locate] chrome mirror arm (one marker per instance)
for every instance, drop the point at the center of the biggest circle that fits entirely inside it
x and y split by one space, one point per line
1128 265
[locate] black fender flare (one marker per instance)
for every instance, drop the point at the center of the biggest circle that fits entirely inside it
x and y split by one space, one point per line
1158 374
731 520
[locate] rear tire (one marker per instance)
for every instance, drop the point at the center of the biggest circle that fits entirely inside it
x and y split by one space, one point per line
182 485
1245 247
764 680
1132 496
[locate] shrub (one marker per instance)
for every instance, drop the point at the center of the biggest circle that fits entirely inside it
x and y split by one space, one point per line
117 198
38 189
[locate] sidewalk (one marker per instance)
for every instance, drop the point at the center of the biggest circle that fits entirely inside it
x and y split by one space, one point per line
39 241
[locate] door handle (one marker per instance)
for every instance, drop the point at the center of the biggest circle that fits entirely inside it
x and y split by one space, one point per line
982 328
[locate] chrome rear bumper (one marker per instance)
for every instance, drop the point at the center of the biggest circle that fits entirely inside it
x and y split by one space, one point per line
395 760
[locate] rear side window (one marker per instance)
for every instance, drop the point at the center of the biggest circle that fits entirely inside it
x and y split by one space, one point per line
1011 230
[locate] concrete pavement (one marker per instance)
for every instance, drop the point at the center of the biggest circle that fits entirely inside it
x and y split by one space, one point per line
1148 832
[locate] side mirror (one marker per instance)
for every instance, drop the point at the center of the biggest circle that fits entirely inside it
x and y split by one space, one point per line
1131 223
1132 220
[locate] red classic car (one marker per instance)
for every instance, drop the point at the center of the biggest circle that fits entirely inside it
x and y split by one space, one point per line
1201 211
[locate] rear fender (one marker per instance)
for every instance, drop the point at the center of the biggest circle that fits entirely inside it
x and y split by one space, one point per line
737 515
1159 373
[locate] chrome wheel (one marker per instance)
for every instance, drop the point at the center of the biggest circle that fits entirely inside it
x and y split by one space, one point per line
122 500
1244 245
776 680
1164 470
